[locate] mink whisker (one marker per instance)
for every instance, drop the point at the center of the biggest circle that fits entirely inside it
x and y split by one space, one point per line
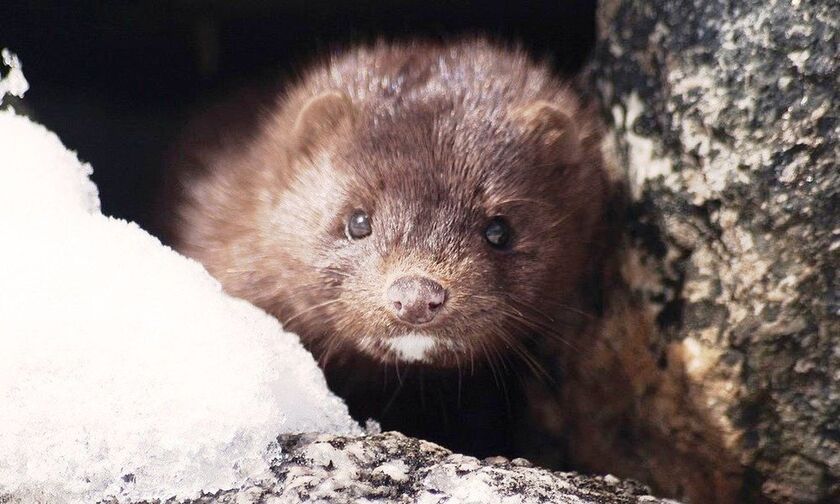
315 307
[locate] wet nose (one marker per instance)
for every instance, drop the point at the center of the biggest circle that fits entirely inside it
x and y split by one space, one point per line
416 299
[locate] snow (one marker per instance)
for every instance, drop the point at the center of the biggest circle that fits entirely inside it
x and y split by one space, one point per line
14 83
397 470
125 371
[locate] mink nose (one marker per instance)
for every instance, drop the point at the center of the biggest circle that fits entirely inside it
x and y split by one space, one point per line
416 299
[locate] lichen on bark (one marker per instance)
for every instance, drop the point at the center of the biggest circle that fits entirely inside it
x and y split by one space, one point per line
725 125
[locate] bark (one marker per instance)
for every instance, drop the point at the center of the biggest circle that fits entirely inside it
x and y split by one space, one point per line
716 374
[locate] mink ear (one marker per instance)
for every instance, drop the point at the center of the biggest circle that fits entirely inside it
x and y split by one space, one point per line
552 127
320 117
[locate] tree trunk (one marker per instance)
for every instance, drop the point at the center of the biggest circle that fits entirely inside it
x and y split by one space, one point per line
716 375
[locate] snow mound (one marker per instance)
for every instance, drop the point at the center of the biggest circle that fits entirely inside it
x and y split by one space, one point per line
125 371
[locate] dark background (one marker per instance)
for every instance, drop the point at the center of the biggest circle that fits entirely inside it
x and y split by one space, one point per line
117 80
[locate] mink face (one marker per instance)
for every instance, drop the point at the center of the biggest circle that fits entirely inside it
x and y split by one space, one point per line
420 203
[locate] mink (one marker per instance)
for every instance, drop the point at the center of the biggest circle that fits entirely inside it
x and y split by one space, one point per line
421 213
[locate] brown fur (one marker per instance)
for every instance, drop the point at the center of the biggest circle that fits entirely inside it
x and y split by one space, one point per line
437 139
432 141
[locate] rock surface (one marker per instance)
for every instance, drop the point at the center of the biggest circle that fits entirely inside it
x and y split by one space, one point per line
392 468
725 121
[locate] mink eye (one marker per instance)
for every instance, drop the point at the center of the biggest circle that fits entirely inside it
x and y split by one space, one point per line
497 233
358 225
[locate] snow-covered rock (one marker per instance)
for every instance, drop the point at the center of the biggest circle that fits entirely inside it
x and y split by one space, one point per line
393 468
125 370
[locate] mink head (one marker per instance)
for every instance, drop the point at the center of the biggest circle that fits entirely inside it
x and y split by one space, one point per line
421 216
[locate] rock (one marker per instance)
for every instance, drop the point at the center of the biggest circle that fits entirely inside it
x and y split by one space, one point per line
497 460
717 376
394 468
521 462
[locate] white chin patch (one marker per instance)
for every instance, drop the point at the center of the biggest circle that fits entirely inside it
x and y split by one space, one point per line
412 347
